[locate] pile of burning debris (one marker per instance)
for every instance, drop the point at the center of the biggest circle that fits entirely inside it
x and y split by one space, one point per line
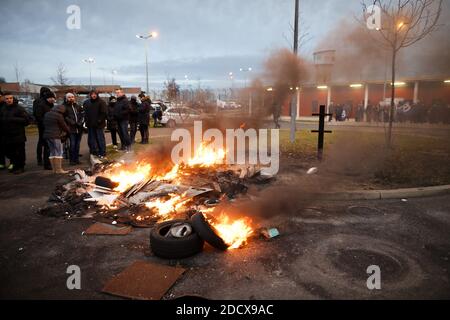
179 203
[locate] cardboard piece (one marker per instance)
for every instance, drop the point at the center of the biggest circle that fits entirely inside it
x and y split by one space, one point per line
144 281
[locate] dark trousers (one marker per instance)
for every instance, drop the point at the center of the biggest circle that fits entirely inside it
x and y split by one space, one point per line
143 129
42 150
123 133
113 136
96 142
74 152
16 154
133 130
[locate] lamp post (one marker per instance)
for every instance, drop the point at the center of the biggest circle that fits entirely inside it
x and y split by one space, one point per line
89 61
231 76
247 70
150 35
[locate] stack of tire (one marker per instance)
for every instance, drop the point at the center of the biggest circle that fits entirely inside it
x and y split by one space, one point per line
178 239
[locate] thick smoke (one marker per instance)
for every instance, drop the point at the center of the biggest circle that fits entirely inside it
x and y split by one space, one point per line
361 56
358 56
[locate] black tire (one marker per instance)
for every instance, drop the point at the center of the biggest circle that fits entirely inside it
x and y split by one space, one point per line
174 248
105 182
207 232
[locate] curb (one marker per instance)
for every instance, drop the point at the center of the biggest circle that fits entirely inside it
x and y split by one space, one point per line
387 194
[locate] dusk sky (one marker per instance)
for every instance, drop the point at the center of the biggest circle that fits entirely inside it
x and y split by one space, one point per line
204 39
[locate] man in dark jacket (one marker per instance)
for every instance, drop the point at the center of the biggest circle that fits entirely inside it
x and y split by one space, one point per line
40 107
55 129
13 120
134 116
112 122
95 113
144 118
121 114
74 117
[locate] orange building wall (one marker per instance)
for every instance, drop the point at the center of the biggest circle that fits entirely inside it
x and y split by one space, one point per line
311 97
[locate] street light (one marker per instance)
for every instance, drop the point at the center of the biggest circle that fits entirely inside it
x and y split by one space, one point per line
249 69
89 61
152 34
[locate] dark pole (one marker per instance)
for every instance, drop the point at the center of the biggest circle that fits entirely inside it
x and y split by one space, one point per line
296 26
294 100
321 131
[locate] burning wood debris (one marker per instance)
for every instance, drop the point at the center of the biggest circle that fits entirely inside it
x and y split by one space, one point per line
135 194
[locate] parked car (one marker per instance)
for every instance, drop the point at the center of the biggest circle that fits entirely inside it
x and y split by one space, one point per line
179 115
28 106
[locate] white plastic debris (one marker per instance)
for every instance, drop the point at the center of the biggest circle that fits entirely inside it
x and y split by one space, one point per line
107 200
114 222
95 160
80 175
313 170
404 200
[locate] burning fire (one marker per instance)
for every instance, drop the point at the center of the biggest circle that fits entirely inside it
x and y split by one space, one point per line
234 233
129 177
207 156
166 207
171 175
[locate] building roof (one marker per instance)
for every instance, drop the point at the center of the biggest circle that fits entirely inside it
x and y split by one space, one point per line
10 86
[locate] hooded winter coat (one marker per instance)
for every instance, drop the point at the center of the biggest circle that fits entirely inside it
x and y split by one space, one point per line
41 106
54 125
74 117
13 120
122 109
95 112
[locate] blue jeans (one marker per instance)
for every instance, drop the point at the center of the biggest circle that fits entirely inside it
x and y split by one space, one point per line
123 133
56 148
96 142
75 139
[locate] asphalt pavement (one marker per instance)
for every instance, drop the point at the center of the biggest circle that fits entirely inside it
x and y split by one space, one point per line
323 252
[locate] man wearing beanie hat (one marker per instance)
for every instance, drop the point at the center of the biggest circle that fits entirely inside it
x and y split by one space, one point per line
55 129
74 117
95 112
14 119
43 105
112 122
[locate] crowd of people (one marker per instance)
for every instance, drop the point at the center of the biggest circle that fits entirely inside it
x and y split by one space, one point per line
405 111
61 125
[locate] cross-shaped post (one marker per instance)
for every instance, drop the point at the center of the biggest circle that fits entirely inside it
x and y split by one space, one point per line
321 130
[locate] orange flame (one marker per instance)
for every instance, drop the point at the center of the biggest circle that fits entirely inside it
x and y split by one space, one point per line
166 207
234 233
129 177
207 156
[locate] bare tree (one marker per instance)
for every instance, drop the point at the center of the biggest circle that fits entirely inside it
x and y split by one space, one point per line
61 78
17 71
172 90
304 35
403 23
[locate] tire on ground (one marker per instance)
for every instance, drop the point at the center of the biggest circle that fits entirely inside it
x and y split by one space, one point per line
171 247
207 232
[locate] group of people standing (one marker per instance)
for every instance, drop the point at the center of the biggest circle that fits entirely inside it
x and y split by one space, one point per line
58 124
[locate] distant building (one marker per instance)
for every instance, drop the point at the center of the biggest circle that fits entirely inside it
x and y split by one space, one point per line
423 90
